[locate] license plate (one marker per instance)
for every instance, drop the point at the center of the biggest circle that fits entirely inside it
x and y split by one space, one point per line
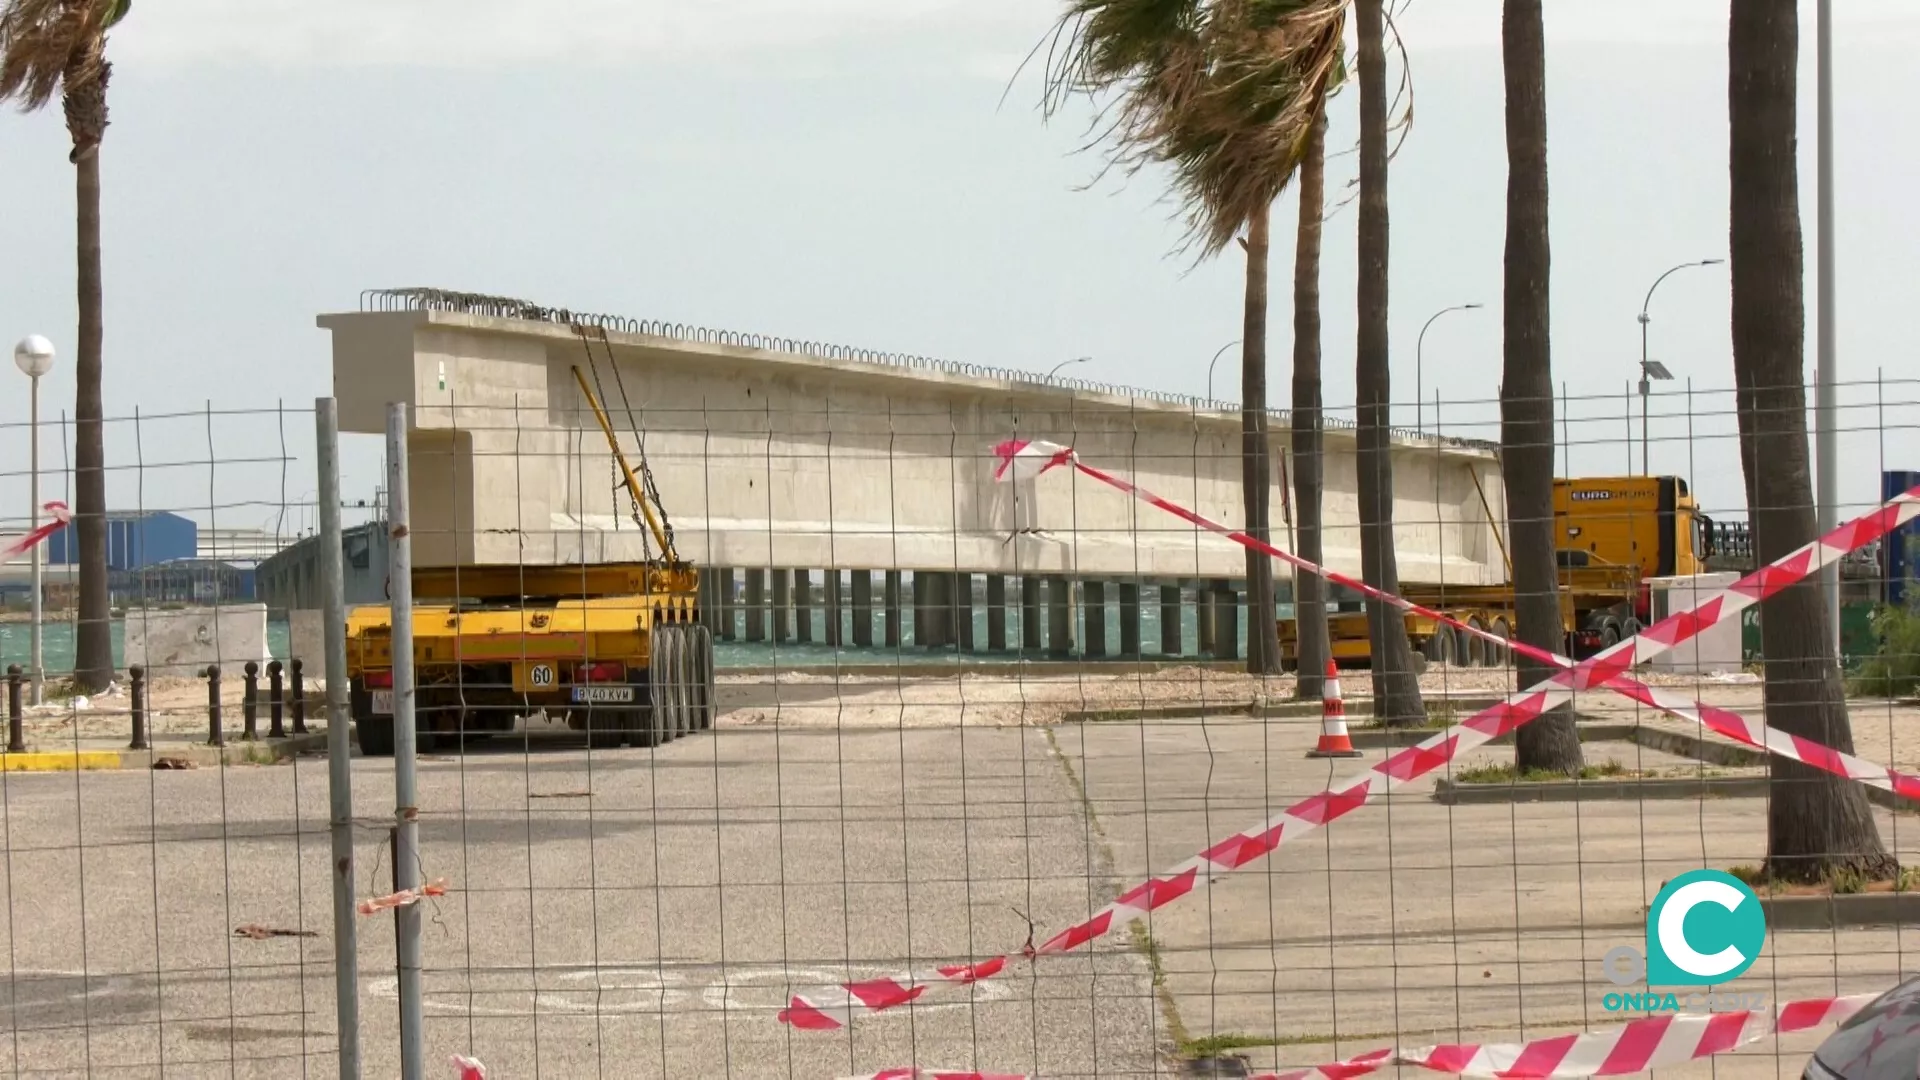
383 703
602 695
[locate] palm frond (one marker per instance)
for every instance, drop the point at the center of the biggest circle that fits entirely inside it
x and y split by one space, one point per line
45 44
1223 92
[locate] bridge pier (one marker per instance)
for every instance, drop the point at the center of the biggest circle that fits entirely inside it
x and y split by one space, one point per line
803 606
1093 595
963 612
835 624
756 605
1226 625
863 609
1059 615
890 602
729 602
1172 634
996 613
1030 624
1130 620
1204 618
782 606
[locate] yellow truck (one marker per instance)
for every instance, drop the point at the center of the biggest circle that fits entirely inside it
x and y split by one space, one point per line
616 650
1612 533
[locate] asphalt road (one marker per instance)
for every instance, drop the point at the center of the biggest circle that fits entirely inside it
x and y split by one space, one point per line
621 913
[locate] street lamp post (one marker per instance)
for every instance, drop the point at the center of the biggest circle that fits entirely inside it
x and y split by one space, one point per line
1215 360
34 356
1653 369
1419 374
1064 363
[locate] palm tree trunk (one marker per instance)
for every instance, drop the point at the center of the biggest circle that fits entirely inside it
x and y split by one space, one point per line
1309 591
93 655
1396 685
1816 822
1526 396
1256 467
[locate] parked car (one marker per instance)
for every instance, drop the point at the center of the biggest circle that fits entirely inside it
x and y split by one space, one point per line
1880 1042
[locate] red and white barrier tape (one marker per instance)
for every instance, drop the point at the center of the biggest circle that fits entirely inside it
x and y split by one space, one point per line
1650 1042
1031 459
26 543
470 1068
834 1007
937 1074
374 905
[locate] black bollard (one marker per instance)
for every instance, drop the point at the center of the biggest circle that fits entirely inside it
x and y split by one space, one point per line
16 739
137 691
299 698
250 701
215 735
276 727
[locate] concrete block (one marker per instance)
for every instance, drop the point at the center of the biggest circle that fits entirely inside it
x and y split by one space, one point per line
307 636
180 643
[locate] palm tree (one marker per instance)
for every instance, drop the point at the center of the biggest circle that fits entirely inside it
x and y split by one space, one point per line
1305 423
1225 93
49 46
1396 684
1526 388
1817 823
1256 461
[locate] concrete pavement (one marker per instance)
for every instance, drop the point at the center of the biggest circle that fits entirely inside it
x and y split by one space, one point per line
1438 923
632 913
654 927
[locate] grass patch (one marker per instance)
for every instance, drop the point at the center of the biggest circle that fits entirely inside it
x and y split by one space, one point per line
1215 1045
1437 719
1843 881
1506 773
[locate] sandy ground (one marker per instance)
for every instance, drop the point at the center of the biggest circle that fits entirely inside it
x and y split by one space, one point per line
178 706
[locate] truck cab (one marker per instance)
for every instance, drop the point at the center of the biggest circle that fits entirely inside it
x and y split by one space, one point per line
1651 524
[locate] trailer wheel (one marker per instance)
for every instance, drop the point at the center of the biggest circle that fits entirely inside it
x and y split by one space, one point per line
666 684
705 702
660 707
1505 633
1441 648
376 736
1476 648
1630 628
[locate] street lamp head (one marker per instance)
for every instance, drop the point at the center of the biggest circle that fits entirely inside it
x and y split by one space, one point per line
1711 262
1471 307
34 355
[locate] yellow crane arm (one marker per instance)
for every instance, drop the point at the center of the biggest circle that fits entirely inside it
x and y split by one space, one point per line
633 482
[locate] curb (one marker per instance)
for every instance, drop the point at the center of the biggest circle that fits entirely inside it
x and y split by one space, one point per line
1734 755
1831 912
1449 793
1399 738
236 752
1287 710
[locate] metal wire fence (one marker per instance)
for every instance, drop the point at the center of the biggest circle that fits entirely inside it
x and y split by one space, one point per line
904 764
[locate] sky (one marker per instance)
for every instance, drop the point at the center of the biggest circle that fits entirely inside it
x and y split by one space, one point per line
877 173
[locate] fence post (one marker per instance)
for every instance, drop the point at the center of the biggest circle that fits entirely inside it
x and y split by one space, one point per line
333 600
406 868
215 735
299 697
137 693
16 738
276 703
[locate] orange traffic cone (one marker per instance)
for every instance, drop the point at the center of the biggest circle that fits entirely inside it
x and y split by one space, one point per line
1333 721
